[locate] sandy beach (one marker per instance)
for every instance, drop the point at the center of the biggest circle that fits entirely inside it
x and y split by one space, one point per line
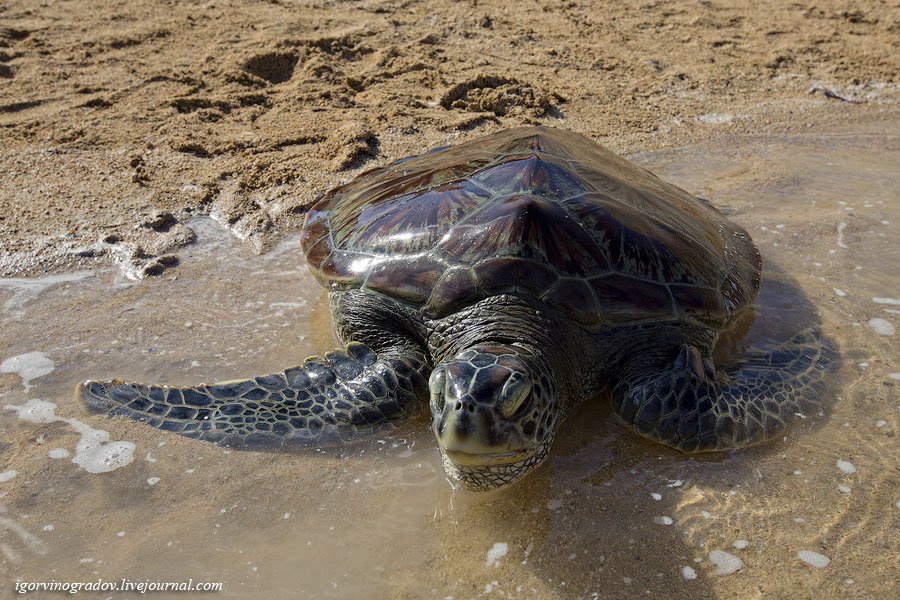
122 120
158 158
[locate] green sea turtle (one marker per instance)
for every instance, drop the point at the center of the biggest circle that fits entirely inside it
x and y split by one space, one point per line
501 282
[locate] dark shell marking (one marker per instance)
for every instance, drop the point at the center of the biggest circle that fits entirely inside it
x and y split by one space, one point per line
534 211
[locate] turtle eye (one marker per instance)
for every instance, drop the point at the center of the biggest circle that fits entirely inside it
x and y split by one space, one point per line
437 385
514 393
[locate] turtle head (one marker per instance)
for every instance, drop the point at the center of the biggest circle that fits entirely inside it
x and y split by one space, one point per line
494 411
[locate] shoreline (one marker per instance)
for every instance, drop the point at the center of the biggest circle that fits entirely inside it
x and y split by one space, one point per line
121 123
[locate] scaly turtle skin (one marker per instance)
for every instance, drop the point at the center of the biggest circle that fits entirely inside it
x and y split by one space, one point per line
501 282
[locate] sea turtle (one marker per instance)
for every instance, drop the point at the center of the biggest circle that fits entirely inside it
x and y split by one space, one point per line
503 281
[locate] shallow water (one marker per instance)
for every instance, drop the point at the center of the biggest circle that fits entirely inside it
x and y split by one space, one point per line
609 515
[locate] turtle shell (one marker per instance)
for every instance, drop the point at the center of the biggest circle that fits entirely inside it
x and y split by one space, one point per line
534 211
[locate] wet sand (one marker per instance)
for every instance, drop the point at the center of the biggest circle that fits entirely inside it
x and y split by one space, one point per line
134 134
609 515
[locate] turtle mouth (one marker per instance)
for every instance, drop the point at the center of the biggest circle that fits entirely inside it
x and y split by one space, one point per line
487 459
487 471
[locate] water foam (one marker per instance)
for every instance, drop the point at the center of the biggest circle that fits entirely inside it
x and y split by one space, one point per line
94 452
28 366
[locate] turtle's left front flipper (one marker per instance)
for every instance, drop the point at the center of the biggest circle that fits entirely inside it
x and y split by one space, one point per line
693 407
325 401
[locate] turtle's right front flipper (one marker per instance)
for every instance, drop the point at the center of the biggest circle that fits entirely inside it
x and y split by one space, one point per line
325 401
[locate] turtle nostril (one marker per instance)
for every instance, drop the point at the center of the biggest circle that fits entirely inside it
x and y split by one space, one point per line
459 405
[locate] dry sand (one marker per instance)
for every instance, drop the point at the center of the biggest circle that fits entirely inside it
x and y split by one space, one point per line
122 119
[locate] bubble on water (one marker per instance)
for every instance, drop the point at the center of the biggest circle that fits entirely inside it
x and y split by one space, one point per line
554 504
740 544
497 552
882 326
895 301
840 236
7 475
688 573
28 366
35 411
839 292
894 376
726 562
94 452
152 480
58 453
715 118
663 520
814 559
288 305
656 496
844 489
846 466
863 365
880 423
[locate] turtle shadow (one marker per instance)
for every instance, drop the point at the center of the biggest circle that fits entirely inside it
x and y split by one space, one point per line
780 313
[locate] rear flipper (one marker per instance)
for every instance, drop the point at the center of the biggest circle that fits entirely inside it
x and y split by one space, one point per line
693 409
322 402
